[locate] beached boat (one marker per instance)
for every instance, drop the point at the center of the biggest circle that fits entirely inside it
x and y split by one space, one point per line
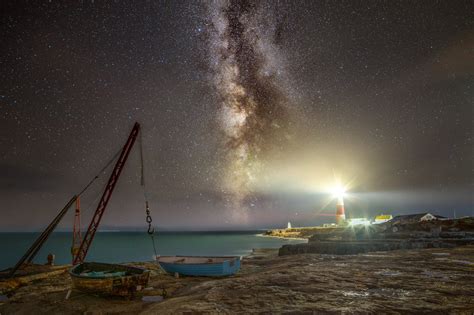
108 279
200 265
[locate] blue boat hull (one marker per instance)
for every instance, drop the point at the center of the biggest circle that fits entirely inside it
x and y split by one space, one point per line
227 267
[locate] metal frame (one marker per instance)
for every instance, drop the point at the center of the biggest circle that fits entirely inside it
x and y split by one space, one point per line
109 188
34 249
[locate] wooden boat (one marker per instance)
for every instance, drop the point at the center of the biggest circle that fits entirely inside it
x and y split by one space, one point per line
200 265
108 279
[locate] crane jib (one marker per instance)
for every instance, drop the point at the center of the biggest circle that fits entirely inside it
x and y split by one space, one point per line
109 188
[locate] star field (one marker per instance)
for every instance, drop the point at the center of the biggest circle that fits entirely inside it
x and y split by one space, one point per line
378 92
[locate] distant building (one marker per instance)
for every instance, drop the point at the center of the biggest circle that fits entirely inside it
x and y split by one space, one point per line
415 218
358 221
382 218
289 225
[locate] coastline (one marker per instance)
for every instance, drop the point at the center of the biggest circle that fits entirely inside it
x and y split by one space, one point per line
136 246
302 233
283 237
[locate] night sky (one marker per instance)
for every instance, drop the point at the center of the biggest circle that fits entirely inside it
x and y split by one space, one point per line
250 111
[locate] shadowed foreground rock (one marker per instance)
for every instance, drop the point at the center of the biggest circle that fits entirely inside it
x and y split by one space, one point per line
350 240
439 280
366 246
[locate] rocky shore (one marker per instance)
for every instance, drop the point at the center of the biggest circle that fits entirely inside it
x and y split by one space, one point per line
350 240
303 232
353 247
436 280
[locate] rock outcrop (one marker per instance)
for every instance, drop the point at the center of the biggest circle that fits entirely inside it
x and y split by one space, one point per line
386 237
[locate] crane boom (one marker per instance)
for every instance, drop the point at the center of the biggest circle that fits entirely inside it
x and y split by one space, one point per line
33 250
109 188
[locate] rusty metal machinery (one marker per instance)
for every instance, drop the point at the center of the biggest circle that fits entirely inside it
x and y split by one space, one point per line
80 247
76 230
109 188
33 250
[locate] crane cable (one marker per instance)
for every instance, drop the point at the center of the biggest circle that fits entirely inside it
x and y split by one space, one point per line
149 220
100 173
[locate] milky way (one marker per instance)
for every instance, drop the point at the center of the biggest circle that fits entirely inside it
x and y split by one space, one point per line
379 91
253 114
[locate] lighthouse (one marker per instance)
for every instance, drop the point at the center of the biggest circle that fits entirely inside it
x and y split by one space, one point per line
340 214
338 192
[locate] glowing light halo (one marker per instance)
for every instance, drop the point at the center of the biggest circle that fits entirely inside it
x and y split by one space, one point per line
338 190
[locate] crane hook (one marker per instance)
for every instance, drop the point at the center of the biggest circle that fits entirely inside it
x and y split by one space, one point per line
149 220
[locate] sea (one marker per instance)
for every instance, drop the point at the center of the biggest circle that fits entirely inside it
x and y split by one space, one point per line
118 247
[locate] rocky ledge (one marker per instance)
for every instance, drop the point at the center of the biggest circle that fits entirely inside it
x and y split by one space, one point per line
350 240
365 246
437 280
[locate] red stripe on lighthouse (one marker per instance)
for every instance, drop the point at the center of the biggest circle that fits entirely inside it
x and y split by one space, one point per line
340 214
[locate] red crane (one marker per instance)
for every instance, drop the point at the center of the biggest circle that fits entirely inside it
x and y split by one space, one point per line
76 231
109 188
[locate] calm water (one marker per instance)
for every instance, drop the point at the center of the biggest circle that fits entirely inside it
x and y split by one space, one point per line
136 246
